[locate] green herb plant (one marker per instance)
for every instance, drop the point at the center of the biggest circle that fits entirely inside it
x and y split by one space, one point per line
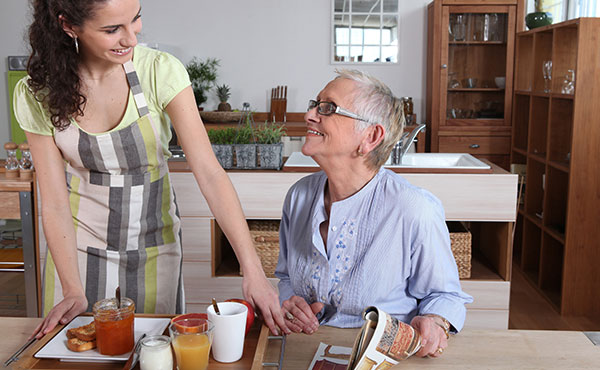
203 75
269 133
223 136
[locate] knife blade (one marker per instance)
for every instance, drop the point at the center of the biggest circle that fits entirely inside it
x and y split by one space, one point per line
135 354
16 355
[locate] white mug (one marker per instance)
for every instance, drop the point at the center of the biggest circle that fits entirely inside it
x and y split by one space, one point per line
229 331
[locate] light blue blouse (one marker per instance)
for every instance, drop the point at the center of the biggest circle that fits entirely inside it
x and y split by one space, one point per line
388 246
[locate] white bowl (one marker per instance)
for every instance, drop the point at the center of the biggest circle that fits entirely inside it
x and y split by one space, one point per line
500 82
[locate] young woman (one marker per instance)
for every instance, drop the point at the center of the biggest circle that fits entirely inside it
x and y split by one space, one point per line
93 106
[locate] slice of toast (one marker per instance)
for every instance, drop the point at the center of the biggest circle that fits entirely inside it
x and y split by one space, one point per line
85 333
78 345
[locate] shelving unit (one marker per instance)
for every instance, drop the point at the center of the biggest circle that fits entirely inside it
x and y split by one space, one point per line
557 137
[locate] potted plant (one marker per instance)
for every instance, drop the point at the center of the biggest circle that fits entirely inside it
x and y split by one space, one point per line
203 75
245 146
269 145
222 145
223 93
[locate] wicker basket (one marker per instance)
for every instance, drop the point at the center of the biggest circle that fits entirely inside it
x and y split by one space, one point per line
265 234
460 241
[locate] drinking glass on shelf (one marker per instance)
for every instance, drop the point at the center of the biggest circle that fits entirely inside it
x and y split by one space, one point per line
458 25
547 70
452 81
568 86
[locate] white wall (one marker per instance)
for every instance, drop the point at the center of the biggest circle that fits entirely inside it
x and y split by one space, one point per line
261 44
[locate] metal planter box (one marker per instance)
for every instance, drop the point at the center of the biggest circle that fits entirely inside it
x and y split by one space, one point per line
224 154
270 156
245 155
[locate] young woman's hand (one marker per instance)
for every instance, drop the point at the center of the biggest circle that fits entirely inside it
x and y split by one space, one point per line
300 316
433 337
62 313
263 297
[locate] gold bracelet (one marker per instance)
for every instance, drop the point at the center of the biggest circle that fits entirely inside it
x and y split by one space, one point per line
441 322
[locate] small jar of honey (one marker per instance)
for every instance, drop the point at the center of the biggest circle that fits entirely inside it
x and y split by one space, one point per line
114 325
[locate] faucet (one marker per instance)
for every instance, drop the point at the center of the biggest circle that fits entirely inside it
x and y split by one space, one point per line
402 147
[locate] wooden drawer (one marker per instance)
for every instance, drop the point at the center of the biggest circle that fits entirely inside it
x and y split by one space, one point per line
475 144
10 205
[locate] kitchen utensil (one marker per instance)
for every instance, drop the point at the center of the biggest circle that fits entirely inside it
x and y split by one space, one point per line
278 104
16 355
214 303
118 295
135 354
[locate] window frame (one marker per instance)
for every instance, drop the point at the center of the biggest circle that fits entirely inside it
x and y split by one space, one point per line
381 14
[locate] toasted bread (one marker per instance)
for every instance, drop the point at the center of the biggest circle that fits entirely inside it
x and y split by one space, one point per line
78 345
85 333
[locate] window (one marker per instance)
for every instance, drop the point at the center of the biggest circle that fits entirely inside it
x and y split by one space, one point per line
365 31
584 8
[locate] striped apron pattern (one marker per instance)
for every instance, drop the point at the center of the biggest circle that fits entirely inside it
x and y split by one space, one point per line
126 219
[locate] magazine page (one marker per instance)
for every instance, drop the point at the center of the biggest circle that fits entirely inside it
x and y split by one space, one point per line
330 357
391 342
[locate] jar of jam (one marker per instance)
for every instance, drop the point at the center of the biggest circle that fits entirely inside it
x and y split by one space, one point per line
114 325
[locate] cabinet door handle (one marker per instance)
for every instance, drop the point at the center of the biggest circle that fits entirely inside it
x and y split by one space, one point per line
474 146
444 66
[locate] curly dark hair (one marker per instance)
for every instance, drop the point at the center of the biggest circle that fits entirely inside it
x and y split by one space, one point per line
53 64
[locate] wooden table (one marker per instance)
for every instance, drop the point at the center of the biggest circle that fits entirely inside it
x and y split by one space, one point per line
15 332
471 349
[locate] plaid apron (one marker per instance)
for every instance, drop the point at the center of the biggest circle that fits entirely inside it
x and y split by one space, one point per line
125 215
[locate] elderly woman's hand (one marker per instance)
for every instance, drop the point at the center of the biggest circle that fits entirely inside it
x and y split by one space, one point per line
433 337
300 316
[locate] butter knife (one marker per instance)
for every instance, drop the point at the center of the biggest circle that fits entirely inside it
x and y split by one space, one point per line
16 355
135 354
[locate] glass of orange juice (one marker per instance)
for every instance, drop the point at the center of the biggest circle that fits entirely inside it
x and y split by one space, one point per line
191 340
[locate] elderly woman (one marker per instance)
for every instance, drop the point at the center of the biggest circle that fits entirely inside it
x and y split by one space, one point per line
357 235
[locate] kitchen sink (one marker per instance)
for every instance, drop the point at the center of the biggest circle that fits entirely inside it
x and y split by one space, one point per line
411 162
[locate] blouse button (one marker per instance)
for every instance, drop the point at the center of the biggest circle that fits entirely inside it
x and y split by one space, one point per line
334 228
323 298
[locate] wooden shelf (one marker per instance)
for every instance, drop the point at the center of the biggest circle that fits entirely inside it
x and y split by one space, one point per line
477 42
563 150
475 89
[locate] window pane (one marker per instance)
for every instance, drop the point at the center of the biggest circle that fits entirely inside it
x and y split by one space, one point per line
341 31
372 36
390 30
342 6
341 53
390 54
364 54
390 6
364 6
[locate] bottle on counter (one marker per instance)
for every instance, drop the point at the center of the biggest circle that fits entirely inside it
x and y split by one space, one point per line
12 163
155 353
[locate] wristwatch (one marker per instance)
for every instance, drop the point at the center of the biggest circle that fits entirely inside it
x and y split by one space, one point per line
441 322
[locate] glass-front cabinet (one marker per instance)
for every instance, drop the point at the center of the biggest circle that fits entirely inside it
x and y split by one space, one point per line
470 74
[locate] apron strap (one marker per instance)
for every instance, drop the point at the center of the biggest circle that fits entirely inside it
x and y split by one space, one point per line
136 89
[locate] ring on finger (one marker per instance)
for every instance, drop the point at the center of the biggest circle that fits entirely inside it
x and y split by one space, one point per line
440 350
289 316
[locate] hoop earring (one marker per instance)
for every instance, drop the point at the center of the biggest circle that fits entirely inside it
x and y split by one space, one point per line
76 44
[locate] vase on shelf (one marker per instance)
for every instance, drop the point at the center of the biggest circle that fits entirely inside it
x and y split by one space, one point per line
538 19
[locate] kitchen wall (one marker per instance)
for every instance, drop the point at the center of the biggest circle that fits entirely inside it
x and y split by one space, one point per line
261 44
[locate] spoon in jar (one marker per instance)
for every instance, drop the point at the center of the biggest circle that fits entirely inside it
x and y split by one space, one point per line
214 303
118 295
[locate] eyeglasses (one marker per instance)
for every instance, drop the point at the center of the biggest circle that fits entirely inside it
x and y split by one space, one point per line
327 108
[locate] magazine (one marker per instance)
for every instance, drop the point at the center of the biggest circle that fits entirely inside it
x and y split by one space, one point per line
382 342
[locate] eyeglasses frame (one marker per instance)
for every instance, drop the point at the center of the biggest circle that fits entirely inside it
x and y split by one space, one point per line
338 110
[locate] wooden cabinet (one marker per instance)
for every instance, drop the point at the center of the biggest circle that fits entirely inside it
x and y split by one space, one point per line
470 76
557 137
